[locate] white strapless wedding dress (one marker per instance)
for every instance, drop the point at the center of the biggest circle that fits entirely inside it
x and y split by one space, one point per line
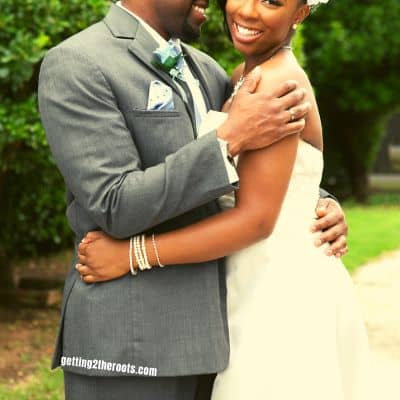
296 331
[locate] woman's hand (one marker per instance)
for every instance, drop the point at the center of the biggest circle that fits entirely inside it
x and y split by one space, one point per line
102 258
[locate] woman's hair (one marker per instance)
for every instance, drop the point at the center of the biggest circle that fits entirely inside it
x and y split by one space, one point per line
222 4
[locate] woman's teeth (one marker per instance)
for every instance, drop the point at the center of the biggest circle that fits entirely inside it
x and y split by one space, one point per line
246 31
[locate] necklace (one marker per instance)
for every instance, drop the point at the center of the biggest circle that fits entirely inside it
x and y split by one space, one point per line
242 77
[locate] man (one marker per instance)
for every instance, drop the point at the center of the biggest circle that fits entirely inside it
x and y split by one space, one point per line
122 133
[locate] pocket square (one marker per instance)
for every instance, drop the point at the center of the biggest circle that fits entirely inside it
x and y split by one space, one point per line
160 97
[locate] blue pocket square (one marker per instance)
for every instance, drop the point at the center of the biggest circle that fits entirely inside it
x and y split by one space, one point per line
160 97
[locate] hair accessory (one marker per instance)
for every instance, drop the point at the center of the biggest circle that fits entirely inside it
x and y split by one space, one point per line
295 26
316 2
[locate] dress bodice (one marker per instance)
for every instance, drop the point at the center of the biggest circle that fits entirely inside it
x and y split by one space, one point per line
303 190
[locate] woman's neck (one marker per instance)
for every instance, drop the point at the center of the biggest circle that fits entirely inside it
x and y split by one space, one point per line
250 62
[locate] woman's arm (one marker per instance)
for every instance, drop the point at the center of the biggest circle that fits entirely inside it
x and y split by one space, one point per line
264 176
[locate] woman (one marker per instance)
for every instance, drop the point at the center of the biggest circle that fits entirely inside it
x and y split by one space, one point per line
295 327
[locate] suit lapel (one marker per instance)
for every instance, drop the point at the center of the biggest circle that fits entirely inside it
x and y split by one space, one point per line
201 73
142 45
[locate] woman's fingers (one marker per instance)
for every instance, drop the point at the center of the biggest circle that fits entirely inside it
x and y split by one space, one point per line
82 248
83 269
92 236
89 279
82 259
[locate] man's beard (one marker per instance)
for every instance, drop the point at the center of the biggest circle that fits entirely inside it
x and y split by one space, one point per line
190 34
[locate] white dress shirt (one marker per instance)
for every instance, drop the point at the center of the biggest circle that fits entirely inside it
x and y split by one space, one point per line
200 107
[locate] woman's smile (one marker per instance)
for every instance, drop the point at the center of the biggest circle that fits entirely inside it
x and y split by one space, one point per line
244 34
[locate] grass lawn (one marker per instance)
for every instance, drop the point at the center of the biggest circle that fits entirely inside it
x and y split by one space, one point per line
43 385
374 229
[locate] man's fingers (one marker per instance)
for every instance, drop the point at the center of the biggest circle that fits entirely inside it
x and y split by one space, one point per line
332 234
324 223
251 81
296 126
337 248
299 112
284 89
292 99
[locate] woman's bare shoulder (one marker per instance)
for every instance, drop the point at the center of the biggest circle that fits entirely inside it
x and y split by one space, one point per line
281 68
285 67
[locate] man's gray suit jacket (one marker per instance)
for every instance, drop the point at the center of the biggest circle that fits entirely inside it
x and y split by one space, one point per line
129 170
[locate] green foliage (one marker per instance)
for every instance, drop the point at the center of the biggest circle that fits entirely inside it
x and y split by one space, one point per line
215 41
373 229
353 56
31 190
44 385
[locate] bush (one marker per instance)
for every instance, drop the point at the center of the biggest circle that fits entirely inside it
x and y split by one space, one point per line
31 190
353 56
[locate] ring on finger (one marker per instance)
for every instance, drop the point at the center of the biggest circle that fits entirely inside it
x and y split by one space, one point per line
292 115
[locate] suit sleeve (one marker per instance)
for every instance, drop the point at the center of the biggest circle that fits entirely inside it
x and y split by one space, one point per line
97 157
326 195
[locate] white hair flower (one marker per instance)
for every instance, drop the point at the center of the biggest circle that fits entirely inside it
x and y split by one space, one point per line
316 2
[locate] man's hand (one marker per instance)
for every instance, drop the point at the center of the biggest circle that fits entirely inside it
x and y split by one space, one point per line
257 120
331 221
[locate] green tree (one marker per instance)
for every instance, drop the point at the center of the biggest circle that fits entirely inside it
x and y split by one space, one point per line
353 57
31 190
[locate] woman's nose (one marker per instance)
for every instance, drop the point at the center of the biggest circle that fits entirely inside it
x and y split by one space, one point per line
248 8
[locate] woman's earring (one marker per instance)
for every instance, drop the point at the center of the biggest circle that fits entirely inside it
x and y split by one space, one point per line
295 26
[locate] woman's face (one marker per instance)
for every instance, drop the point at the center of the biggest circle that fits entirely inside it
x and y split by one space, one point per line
259 26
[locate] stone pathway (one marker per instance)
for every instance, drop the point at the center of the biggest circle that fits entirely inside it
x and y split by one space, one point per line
378 286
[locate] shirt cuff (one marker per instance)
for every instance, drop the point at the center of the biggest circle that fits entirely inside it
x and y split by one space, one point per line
210 123
230 162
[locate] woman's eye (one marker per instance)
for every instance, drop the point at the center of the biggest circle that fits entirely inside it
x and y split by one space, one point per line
272 2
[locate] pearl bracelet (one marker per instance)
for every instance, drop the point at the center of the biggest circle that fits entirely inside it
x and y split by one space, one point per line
153 240
139 244
133 270
137 247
